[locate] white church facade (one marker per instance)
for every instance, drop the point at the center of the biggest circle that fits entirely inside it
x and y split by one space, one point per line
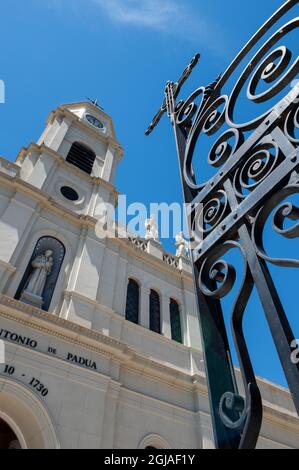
101 335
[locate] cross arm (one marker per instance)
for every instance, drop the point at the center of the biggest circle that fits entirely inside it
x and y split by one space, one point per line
176 89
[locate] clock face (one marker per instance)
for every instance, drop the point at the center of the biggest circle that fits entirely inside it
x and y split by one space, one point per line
94 121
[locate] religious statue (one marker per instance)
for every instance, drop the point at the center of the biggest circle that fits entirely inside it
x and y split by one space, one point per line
181 246
152 232
42 266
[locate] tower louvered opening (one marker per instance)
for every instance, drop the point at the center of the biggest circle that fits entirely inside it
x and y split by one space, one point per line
82 157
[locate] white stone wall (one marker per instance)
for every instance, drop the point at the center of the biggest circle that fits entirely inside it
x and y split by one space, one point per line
91 289
129 401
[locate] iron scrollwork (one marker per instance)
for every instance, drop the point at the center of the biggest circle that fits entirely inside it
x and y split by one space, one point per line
255 166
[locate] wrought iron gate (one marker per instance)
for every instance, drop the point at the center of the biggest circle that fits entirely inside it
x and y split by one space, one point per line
257 165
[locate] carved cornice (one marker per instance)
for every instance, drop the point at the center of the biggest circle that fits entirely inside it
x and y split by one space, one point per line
113 349
91 340
9 168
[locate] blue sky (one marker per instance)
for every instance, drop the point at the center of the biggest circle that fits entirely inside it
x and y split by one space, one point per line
123 52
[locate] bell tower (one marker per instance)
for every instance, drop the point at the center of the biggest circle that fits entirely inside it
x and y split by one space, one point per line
75 158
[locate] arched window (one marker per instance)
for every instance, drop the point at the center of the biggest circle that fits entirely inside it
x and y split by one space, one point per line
82 157
175 321
40 277
8 439
155 315
153 442
132 305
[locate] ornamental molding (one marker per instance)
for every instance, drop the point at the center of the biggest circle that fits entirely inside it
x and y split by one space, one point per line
127 357
102 344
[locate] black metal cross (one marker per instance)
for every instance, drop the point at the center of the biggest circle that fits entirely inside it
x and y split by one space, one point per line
95 103
176 87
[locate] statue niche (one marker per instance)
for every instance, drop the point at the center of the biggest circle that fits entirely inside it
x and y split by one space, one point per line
39 280
41 268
